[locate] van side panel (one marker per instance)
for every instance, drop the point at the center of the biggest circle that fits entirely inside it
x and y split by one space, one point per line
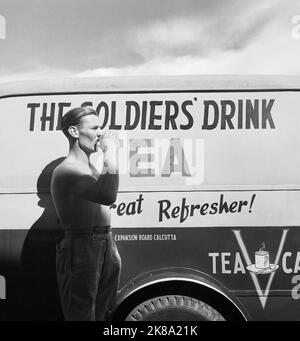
206 177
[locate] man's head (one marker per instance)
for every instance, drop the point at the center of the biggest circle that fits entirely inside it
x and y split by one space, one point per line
83 125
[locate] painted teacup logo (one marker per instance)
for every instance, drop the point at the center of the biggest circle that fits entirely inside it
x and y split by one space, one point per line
262 262
262 258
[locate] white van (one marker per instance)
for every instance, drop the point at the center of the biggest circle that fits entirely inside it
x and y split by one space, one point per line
207 215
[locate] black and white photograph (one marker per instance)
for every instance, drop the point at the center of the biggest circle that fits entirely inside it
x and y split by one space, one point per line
150 162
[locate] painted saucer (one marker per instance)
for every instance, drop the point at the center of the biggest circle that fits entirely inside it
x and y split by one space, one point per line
259 271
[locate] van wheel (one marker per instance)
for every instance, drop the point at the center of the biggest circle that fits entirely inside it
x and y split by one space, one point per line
174 308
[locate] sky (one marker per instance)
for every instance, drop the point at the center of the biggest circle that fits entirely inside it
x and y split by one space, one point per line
72 38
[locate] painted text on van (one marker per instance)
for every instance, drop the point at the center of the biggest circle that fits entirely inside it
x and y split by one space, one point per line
166 211
243 114
162 115
229 262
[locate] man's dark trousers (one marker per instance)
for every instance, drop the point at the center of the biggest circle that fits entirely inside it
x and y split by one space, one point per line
88 268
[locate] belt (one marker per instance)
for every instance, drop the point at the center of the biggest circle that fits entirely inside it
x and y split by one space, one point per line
88 230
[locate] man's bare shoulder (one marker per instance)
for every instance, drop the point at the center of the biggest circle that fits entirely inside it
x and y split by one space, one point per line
70 169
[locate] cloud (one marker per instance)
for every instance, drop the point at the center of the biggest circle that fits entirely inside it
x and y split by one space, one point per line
253 41
202 32
152 38
37 73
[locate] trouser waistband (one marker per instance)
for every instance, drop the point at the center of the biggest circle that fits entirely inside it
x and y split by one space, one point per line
88 230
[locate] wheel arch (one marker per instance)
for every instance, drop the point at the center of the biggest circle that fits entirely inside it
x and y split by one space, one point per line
178 281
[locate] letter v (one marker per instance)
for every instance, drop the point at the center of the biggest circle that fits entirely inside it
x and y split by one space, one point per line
263 296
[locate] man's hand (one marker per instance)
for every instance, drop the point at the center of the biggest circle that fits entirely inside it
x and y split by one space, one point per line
109 140
109 144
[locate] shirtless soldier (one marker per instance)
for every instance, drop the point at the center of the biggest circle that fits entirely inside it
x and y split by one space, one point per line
87 260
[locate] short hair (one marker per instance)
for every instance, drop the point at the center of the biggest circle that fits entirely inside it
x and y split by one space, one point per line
73 117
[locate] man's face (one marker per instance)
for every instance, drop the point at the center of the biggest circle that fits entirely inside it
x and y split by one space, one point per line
89 133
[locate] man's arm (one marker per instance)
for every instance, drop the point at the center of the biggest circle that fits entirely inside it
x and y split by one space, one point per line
108 181
104 189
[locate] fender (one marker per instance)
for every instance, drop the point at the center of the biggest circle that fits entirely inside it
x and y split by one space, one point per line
165 275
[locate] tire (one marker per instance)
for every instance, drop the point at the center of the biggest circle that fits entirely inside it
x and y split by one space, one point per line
174 308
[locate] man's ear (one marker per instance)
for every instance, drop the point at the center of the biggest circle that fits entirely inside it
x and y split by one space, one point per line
73 131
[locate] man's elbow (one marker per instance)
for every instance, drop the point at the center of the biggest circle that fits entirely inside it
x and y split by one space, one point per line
109 200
